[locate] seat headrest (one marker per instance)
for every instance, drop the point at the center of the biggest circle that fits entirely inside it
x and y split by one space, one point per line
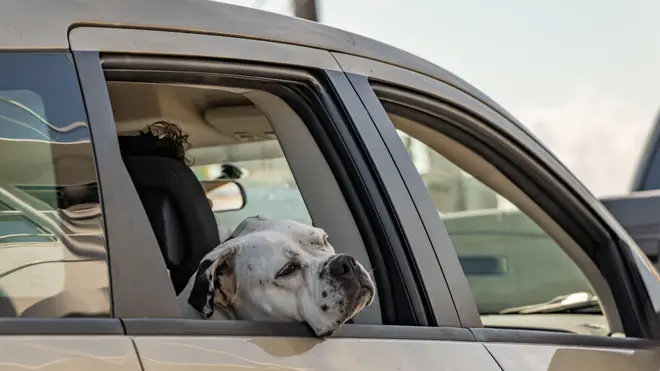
179 212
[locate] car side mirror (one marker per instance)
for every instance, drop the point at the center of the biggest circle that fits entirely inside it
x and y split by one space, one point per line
226 195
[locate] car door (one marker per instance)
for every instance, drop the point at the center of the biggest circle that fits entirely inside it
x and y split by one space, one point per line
345 176
516 229
54 283
638 211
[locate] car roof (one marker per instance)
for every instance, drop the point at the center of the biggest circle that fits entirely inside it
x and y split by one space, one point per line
39 24
44 24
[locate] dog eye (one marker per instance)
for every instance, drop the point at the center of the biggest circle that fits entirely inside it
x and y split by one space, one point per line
288 269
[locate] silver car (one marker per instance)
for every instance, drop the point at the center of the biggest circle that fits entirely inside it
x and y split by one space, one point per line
488 254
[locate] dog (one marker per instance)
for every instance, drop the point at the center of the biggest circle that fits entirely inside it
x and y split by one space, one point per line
278 270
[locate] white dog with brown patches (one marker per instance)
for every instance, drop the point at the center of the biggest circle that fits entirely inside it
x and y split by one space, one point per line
278 270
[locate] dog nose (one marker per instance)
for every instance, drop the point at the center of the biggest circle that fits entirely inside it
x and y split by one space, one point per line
342 266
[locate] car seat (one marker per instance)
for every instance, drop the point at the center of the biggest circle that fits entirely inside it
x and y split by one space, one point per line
178 211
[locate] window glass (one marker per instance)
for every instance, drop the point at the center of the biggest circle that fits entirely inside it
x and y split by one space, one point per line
52 246
513 267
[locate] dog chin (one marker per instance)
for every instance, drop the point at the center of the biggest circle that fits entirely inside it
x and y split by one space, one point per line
328 325
327 331
363 299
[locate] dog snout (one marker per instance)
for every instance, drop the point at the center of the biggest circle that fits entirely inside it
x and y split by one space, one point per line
342 267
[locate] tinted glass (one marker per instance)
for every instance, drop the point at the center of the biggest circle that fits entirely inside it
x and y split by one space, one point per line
52 245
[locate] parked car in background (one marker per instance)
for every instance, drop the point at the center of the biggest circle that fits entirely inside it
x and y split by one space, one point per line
639 211
486 252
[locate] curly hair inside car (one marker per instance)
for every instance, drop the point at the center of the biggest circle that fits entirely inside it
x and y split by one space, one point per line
160 139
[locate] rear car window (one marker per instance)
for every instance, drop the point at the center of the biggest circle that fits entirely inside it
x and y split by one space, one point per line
52 245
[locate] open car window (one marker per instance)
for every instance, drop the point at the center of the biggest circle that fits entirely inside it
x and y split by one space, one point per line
248 129
268 183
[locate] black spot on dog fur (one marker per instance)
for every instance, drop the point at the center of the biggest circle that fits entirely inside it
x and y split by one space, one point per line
324 294
249 267
324 307
201 298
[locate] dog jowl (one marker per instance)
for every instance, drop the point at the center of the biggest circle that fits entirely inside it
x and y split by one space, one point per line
280 270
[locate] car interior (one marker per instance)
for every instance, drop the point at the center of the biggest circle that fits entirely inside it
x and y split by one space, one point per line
215 119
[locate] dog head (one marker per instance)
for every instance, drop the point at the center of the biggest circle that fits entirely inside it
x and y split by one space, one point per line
281 270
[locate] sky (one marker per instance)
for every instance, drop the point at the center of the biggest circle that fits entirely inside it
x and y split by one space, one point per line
583 76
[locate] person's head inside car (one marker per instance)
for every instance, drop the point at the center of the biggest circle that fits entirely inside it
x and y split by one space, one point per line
160 139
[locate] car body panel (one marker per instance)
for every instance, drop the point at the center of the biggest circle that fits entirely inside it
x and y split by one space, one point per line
134 41
528 357
68 353
297 354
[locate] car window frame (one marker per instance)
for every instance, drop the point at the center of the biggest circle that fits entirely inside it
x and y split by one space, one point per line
127 265
337 87
362 72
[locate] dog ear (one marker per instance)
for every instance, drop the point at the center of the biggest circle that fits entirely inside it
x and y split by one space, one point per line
224 278
215 281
